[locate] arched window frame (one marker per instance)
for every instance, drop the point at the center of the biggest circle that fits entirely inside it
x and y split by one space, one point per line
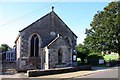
39 44
68 40
60 55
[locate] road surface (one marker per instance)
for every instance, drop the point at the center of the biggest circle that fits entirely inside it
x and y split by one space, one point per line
108 73
99 72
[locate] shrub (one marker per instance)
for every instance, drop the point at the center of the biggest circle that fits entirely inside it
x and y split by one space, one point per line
95 56
94 59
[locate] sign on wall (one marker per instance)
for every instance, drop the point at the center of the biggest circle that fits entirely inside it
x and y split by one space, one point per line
74 57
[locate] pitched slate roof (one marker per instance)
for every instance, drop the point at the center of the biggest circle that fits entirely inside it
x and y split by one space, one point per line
54 40
51 20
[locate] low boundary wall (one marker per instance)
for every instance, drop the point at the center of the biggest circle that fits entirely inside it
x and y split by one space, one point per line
33 73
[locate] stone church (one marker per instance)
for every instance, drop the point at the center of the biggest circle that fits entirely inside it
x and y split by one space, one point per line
46 44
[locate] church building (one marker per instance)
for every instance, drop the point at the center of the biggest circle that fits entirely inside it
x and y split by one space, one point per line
47 43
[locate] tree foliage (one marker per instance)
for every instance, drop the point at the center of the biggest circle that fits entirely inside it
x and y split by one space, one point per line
104 34
4 47
82 52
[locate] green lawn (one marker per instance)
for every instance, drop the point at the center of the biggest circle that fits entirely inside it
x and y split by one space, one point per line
107 57
78 59
111 57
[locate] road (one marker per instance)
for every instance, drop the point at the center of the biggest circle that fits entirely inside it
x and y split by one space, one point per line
108 73
98 72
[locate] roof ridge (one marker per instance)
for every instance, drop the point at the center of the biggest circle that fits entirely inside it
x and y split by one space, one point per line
36 21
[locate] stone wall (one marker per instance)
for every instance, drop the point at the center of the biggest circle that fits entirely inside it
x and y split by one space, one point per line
33 73
53 58
29 63
43 27
53 54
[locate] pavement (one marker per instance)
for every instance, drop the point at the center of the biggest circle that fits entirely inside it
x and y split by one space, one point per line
78 73
63 75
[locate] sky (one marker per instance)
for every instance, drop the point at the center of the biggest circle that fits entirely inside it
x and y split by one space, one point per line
14 16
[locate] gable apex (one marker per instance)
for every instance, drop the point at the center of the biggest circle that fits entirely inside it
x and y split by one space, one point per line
65 24
36 21
51 14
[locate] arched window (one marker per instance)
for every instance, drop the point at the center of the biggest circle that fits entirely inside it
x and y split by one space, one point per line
68 40
34 46
60 55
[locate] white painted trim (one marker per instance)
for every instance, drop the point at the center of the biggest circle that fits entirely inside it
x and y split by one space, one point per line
46 58
20 44
41 59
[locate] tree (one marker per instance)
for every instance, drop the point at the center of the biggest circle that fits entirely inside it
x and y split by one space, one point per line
82 52
4 47
104 34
